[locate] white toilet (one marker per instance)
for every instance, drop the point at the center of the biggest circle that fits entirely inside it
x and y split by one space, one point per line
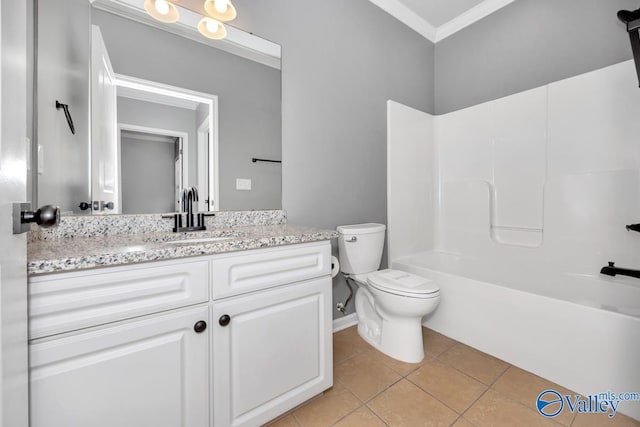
390 304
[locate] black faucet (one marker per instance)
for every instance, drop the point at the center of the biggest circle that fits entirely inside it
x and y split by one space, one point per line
633 227
612 270
189 195
194 222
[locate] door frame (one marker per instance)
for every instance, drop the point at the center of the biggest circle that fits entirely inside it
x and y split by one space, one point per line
210 100
184 137
204 136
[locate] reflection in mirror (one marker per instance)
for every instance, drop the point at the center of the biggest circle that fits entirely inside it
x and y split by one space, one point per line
155 127
159 109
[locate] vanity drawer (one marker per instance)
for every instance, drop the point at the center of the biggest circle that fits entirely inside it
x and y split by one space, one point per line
254 270
66 302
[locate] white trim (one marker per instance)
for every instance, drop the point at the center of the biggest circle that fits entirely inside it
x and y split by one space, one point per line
127 92
469 17
163 89
414 21
214 158
407 17
345 322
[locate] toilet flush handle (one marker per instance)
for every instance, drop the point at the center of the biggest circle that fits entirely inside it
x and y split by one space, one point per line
352 239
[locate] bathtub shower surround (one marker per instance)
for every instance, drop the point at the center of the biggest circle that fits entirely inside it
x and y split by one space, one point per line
522 201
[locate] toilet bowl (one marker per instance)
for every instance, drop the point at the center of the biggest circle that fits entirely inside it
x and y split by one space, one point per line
390 304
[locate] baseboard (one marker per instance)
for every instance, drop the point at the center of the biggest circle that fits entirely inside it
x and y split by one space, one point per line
345 322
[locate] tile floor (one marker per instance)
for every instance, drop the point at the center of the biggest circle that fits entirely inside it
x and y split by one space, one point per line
455 385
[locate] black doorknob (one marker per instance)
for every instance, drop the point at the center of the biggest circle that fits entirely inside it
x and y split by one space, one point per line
46 216
224 320
200 326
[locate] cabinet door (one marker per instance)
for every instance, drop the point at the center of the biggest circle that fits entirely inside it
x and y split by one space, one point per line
149 372
274 353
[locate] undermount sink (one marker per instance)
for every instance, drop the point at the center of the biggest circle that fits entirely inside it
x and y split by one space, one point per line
201 240
210 236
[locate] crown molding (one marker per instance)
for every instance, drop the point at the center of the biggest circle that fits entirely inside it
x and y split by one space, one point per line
469 17
428 31
408 17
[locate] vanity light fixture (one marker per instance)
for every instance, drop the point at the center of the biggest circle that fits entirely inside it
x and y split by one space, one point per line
162 10
211 25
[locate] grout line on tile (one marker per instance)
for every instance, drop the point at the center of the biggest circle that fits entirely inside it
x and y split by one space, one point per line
382 391
454 411
349 413
474 402
575 415
363 405
518 403
509 366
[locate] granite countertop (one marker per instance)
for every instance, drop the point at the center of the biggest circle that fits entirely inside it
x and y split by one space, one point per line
76 253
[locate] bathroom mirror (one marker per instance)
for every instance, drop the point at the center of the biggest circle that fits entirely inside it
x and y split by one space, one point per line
130 111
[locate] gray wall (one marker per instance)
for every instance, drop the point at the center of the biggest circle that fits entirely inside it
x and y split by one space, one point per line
147 176
341 61
248 96
64 47
149 114
527 44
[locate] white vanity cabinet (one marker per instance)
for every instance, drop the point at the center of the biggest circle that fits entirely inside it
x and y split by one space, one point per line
148 372
234 339
271 352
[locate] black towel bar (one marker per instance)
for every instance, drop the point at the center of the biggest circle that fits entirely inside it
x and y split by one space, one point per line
255 159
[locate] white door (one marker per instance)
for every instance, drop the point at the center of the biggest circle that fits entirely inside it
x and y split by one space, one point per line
13 252
104 133
149 372
273 354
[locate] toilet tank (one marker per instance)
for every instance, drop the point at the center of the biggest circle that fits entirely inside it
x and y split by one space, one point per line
360 247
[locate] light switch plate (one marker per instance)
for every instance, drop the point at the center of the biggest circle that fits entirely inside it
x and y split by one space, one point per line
243 184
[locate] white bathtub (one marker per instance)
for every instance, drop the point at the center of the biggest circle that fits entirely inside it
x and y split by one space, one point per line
582 332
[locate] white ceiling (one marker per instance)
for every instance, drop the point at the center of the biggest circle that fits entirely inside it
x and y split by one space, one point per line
438 19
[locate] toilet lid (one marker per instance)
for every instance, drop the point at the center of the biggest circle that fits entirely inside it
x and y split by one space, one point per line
396 281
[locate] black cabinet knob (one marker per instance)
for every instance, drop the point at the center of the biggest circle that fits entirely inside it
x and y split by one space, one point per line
84 206
224 320
200 326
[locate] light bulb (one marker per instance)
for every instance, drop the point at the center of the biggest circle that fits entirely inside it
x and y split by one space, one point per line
162 10
162 7
211 28
212 25
220 5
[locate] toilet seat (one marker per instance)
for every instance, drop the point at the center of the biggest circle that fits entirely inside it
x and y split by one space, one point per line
402 283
